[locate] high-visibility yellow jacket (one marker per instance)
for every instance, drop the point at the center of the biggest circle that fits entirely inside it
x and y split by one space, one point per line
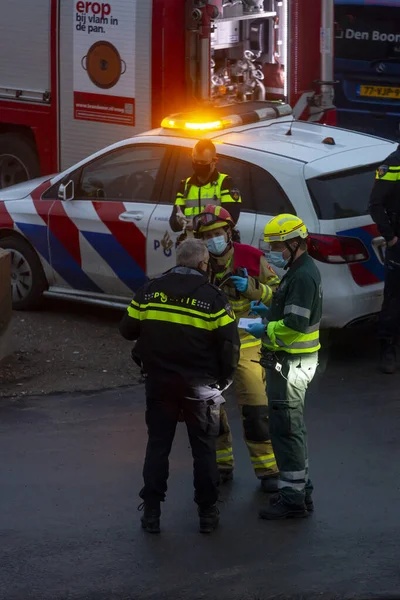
192 197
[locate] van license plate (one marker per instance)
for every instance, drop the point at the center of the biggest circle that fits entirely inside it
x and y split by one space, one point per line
380 91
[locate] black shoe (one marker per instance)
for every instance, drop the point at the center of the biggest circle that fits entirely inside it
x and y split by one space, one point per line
308 501
151 517
388 359
269 485
209 518
225 475
277 509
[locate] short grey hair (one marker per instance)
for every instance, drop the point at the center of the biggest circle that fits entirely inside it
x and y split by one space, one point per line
191 253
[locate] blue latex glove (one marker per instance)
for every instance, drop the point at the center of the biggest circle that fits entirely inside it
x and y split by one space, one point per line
256 329
240 283
260 310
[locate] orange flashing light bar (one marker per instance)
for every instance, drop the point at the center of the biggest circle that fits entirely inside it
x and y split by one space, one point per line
198 123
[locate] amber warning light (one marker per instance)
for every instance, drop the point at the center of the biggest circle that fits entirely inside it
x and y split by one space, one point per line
224 117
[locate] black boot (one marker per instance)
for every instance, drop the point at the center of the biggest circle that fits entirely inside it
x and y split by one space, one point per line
388 358
151 516
308 501
269 485
278 509
209 518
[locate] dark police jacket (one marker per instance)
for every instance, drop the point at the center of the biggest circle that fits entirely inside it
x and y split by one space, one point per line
384 205
187 333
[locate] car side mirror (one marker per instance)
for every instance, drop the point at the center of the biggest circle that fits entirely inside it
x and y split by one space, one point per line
66 191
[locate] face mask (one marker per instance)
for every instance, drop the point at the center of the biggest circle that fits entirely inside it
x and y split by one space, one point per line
201 170
276 259
216 245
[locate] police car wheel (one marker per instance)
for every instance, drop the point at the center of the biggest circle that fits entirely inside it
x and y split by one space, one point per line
27 277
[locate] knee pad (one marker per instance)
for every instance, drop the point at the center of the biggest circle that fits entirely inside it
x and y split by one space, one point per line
255 423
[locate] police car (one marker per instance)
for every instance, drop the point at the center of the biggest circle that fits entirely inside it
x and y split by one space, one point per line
97 230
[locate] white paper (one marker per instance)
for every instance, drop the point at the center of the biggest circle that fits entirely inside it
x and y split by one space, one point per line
243 323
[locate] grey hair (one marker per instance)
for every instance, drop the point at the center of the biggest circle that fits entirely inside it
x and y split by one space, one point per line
191 253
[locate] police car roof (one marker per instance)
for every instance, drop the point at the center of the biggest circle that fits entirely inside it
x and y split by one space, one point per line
305 144
308 142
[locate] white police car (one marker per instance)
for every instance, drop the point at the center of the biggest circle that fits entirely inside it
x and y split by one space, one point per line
95 231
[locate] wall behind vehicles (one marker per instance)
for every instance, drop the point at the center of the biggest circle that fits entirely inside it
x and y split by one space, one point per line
5 305
80 138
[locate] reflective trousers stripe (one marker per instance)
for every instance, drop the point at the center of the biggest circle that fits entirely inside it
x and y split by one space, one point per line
292 479
261 462
225 455
296 486
293 475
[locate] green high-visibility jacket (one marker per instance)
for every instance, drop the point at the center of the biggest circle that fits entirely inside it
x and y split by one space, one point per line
296 310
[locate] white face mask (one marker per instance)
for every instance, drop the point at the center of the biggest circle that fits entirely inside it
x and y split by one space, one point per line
217 245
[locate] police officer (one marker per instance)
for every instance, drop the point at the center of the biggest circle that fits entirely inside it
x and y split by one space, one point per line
244 275
205 186
290 341
384 208
189 348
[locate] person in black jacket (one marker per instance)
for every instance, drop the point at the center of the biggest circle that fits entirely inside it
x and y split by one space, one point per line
188 345
384 208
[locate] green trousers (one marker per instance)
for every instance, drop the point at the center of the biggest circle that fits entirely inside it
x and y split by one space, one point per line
286 396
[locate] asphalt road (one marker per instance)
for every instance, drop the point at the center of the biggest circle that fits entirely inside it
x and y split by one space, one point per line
71 469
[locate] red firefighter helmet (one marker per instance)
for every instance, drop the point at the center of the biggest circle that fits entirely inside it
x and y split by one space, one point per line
212 217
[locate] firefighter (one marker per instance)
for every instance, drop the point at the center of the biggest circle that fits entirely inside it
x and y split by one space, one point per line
188 345
205 186
242 272
384 208
290 344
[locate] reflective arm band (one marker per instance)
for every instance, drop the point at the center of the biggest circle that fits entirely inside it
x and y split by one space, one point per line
293 309
389 176
266 295
180 201
134 310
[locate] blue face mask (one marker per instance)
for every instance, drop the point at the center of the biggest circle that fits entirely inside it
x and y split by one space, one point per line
216 245
276 259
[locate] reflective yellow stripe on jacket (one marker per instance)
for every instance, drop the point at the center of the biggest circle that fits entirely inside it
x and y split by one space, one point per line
280 337
392 174
209 193
181 315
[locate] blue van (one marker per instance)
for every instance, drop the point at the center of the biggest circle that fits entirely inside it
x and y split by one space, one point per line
367 66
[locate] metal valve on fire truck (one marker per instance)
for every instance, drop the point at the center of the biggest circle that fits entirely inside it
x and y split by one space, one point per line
253 6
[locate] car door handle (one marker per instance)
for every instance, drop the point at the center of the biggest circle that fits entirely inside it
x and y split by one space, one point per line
134 215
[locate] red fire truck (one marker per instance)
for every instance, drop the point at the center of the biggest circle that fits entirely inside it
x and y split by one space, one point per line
77 75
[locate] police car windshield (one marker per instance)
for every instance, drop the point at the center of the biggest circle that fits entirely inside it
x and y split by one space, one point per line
343 194
367 33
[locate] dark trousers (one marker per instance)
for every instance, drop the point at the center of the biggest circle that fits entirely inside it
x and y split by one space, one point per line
389 318
202 423
286 395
